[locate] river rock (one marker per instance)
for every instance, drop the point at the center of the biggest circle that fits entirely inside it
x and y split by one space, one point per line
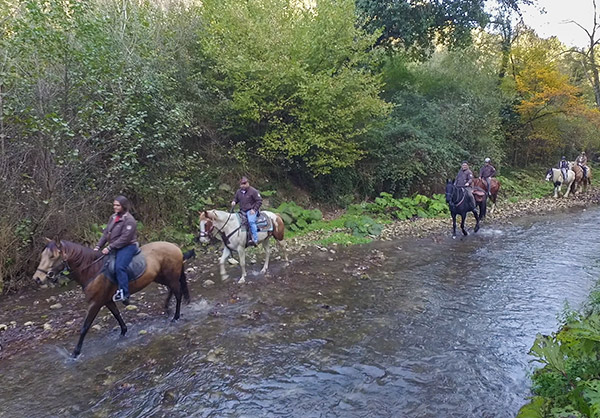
28 324
233 261
47 326
97 327
142 332
208 283
56 306
3 327
131 307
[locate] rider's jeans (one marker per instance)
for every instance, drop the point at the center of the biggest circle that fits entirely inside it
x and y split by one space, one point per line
252 222
122 259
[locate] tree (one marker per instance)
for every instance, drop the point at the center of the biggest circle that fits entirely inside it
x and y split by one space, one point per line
419 25
588 54
299 90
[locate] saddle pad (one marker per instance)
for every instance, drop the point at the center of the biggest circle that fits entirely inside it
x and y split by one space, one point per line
263 222
136 268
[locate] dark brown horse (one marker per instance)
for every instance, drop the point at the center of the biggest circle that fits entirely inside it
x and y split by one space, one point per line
164 265
495 187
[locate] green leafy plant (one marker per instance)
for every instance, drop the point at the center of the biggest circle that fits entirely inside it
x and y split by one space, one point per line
297 218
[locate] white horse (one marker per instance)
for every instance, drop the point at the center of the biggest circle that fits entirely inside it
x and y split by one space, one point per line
556 176
226 227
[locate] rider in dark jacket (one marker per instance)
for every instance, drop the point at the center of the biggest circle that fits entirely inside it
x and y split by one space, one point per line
120 233
464 178
250 201
486 173
563 164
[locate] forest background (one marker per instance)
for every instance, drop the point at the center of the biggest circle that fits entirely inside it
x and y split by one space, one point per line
327 101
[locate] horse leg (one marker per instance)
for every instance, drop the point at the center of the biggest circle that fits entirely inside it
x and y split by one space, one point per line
476 220
568 189
112 307
454 225
177 293
267 248
242 255
89 318
462 223
226 254
168 301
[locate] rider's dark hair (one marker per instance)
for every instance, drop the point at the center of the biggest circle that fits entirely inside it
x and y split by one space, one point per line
124 202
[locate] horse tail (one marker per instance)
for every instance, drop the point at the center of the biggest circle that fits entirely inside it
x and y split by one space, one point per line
185 291
278 228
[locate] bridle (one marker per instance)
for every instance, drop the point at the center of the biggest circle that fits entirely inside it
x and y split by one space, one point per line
64 267
209 234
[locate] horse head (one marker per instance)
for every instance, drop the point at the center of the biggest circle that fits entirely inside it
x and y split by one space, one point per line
51 262
449 190
549 174
205 226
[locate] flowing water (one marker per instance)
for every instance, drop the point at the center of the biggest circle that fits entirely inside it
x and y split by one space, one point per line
408 328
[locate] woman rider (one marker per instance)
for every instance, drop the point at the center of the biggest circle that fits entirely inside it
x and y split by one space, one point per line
120 233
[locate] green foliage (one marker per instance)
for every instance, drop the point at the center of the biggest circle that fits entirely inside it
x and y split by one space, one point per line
363 226
406 208
299 90
525 184
296 218
568 384
418 25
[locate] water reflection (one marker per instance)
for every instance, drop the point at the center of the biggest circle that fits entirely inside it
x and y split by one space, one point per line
414 328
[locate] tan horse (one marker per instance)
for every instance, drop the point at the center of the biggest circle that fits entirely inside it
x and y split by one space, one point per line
226 227
580 183
164 265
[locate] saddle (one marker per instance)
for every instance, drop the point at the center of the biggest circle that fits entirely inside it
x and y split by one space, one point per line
136 268
479 194
263 224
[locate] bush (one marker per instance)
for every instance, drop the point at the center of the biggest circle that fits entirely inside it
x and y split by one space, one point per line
296 218
406 208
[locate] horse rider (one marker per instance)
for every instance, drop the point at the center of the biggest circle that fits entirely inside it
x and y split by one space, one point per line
564 168
120 233
464 179
486 173
250 201
582 162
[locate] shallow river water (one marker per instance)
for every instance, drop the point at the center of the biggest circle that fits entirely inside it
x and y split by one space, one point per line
408 328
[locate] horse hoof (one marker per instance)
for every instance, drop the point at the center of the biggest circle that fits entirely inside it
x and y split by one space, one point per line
263 271
242 281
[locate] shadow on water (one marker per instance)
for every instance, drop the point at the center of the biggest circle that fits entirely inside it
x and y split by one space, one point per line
414 328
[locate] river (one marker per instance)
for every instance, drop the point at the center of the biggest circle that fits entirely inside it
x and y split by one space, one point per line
430 327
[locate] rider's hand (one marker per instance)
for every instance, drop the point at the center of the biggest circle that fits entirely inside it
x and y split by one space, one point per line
96 248
105 251
232 204
252 211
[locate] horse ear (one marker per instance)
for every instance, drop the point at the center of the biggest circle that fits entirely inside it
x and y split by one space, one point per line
48 240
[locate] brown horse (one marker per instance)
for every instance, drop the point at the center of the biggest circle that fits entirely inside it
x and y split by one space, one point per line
478 182
580 183
164 265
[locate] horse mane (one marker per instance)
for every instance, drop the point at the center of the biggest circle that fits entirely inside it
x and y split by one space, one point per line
82 257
